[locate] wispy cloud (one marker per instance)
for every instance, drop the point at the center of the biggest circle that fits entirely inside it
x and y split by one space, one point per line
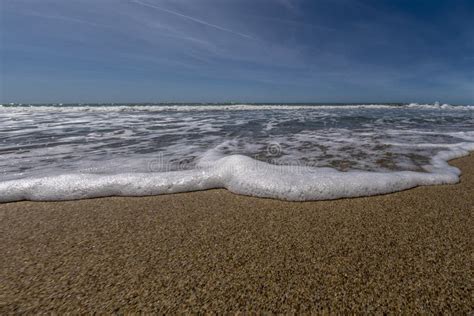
218 27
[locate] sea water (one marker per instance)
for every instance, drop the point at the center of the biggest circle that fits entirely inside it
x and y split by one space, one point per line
293 152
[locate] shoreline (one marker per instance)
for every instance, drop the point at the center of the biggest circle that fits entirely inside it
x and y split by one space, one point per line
408 251
321 186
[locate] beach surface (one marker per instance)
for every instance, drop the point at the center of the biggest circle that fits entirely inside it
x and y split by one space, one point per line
410 251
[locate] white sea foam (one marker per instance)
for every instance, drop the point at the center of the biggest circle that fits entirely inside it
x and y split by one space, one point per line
293 152
239 174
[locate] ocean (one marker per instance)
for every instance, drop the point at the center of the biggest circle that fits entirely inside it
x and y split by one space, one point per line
294 152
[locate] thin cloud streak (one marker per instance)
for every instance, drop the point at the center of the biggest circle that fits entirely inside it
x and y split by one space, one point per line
193 19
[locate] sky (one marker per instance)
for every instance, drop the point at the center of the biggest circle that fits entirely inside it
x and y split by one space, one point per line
59 51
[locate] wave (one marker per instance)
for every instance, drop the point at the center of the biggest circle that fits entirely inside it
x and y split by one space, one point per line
241 175
220 107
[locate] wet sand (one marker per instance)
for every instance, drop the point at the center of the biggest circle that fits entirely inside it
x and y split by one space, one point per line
215 251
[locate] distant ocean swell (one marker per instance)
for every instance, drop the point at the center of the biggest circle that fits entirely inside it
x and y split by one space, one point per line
219 107
289 152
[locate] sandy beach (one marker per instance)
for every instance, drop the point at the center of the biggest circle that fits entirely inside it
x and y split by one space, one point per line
410 251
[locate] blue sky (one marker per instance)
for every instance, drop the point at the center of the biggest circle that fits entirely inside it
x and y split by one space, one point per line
237 50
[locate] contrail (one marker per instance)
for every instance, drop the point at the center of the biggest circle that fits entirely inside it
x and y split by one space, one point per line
192 19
